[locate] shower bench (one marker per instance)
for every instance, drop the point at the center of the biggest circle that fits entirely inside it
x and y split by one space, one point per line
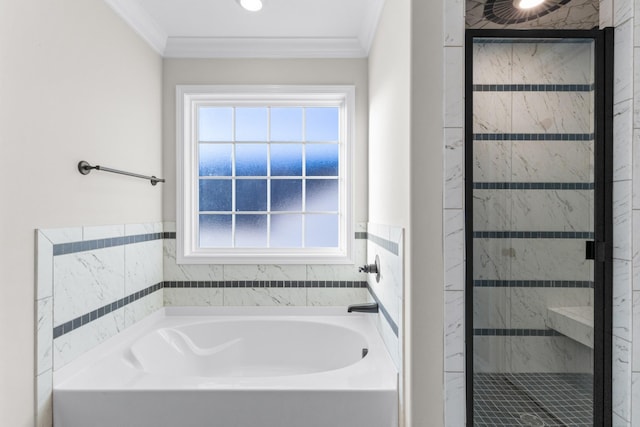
573 322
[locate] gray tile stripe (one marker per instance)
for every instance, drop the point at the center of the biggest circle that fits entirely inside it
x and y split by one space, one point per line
89 245
533 284
533 185
533 235
384 311
516 332
384 243
98 313
533 136
534 87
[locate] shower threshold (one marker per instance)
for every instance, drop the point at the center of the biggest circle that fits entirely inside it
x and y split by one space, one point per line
533 399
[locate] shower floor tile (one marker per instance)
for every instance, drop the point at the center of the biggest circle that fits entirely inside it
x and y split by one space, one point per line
532 400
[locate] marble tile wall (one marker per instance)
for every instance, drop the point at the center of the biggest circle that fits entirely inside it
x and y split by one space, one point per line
522 128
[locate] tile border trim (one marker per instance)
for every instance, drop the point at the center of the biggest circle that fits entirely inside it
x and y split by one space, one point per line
89 245
384 243
533 235
89 317
534 87
533 185
383 310
533 136
490 332
533 284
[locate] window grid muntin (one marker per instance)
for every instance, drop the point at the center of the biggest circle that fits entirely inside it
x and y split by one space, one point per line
234 213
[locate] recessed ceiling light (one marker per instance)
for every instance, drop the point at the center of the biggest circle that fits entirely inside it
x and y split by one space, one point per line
250 5
527 4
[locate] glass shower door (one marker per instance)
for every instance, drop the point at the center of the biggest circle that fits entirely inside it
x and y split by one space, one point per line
533 203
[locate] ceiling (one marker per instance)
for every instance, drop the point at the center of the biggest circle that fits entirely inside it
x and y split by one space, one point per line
283 29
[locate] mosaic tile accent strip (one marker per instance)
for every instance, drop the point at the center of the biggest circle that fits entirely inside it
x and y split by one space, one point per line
533 136
267 284
516 332
533 234
384 243
532 399
361 235
98 313
533 185
384 311
89 245
535 88
533 284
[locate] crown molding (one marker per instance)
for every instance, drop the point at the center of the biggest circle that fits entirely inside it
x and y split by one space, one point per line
214 47
141 22
370 24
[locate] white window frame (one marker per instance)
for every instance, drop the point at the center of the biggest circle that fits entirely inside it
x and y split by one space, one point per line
188 99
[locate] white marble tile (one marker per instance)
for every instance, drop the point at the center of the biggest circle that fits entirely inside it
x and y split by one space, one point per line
63 235
635 172
618 421
454 385
549 354
454 87
623 140
138 310
44 334
169 226
143 265
391 341
623 62
491 354
136 229
622 11
85 281
636 82
491 259
389 289
336 296
44 266
68 347
44 396
621 378
454 250
492 161
552 63
552 112
102 232
378 230
606 13
622 299
453 168
492 112
334 272
635 396
265 272
636 333
529 305
454 22
622 220
548 161
491 63
636 251
188 272
454 331
193 297
491 307
264 296
551 210
491 210
547 259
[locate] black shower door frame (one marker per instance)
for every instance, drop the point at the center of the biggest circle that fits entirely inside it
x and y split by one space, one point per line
603 206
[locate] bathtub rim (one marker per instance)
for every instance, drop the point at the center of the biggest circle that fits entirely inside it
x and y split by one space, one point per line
378 360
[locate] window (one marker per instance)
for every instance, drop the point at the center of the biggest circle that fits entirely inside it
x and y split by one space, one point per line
264 174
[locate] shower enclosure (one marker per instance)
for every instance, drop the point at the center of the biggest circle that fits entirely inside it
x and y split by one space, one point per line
538 227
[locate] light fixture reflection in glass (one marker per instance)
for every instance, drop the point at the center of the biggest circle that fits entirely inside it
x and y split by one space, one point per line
251 5
527 4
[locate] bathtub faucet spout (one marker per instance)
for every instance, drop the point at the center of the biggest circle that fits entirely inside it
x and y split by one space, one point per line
363 308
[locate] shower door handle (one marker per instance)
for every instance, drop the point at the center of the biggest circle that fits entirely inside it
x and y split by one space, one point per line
595 250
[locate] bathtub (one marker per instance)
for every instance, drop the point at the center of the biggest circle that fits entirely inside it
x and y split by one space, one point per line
233 367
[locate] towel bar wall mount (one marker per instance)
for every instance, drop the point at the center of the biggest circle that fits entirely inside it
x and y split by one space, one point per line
84 168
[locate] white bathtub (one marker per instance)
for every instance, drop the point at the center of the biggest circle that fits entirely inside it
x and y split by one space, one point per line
233 367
